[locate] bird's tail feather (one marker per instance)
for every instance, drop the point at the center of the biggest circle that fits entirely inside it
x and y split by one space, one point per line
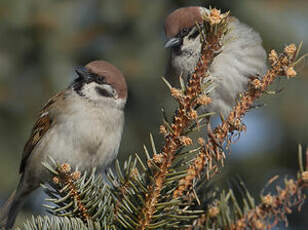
9 210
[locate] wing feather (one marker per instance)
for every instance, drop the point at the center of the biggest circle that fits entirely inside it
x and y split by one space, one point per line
41 126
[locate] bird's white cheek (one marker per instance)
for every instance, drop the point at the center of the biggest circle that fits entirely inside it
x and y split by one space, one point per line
89 92
189 56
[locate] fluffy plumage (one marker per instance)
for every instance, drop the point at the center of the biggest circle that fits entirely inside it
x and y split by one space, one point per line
241 57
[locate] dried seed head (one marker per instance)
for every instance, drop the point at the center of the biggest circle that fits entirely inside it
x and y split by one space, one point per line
193 114
176 93
256 83
158 158
285 60
135 173
163 130
215 16
283 194
268 200
273 57
76 175
237 124
290 50
305 176
186 140
220 136
290 72
259 224
241 224
65 168
201 141
213 212
56 180
291 186
204 100
178 119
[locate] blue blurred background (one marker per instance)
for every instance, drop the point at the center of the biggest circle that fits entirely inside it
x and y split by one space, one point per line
41 41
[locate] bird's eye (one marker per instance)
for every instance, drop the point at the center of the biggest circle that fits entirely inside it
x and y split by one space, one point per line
98 79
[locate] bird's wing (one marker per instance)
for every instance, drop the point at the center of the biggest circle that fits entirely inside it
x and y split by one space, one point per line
41 126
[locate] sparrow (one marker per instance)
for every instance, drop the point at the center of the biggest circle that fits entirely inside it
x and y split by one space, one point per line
241 57
82 126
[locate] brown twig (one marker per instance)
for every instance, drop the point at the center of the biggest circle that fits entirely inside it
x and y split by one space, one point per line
185 115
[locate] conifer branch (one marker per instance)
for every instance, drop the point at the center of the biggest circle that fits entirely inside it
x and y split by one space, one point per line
188 100
75 195
161 191
225 212
57 223
273 208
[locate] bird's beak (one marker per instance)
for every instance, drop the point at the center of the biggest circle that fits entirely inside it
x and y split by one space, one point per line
173 42
82 72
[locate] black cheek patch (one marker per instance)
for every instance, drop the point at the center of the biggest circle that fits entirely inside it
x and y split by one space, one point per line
177 50
77 86
194 35
103 92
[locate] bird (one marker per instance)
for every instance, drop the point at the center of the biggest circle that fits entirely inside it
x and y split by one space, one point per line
240 58
81 126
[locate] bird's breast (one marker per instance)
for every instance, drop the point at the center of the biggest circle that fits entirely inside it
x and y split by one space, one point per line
84 138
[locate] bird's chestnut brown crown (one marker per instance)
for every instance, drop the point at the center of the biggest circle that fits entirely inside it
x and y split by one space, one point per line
103 72
180 19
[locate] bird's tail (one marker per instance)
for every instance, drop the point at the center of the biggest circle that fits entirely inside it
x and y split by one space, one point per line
9 211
